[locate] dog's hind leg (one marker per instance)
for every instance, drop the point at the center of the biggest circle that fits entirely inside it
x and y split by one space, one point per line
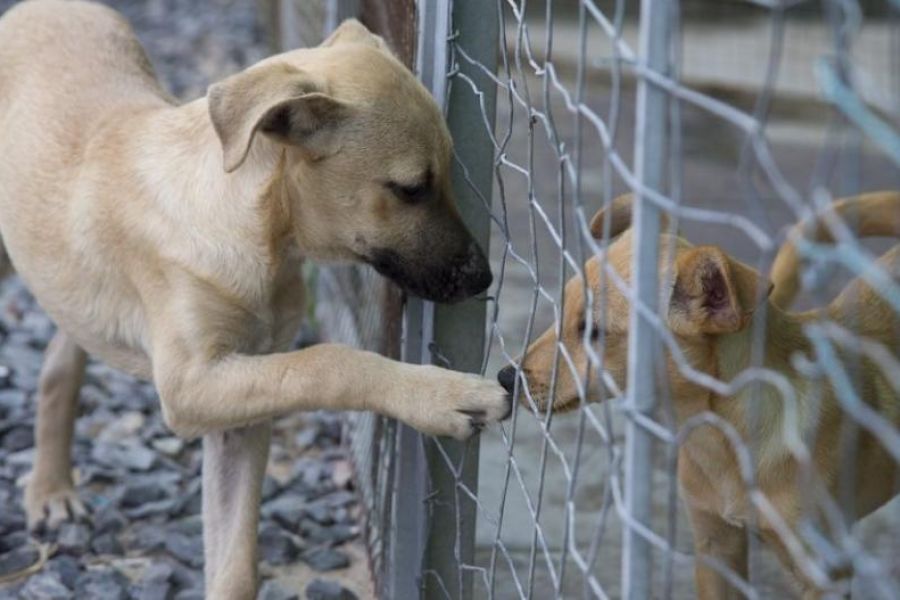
234 463
50 496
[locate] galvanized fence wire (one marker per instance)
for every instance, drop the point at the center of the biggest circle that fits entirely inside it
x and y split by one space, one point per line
565 85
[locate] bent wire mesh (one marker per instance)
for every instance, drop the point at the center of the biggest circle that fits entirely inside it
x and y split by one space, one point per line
731 122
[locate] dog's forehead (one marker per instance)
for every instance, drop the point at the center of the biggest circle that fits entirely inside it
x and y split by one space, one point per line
618 258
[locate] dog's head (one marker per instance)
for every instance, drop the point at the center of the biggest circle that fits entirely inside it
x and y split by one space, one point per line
707 293
363 160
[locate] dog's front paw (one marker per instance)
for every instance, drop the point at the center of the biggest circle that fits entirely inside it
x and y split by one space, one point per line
449 403
48 508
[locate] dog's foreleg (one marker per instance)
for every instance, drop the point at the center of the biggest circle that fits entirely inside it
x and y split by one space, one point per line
234 463
50 496
720 541
200 395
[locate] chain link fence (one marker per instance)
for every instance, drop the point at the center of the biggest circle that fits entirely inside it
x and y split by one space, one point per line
730 122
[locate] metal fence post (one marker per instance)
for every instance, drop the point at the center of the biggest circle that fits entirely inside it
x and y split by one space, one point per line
650 166
459 330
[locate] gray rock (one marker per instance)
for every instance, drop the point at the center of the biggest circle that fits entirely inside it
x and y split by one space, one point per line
158 571
73 538
108 544
170 446
129 455
66 567
188 550
149 509
189 526
189 595
270 488
153 590
10 519
276 545
321 589
136 494
109 520
104 583
287 509
18 559
334 535
45 586
320 512
274 590
326 559
147 538
18 438
12 399
14 541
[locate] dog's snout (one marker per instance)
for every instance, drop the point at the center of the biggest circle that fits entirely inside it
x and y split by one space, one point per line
507 378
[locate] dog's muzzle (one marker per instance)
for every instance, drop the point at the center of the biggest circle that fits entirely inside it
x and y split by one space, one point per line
447 281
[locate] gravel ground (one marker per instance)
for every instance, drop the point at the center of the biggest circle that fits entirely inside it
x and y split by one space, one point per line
143 484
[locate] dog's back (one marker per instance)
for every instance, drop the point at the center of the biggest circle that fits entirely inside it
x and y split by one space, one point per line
73 76
65 66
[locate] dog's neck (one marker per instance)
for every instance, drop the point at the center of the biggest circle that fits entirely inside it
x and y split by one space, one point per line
760 411
184 157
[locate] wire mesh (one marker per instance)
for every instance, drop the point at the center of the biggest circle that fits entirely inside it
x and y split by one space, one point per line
771 111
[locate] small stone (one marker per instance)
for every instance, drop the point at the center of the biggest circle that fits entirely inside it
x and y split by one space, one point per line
14 541
149 509
288 510
18 560
10 519
186 578
136 494
189 595
188 550
334 534
276 545
170 446
104 583
73 538
321 589
158 571
45 586
306 438
66 567
109 520
12 399
107 543
153 590
270 488
18 438
129 455
274 590
326 559
320 513
147 538
189 526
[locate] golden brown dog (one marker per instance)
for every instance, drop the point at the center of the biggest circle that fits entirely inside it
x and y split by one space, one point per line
168 240
713 302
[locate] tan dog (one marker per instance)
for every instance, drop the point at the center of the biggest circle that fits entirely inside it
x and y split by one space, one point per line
168 241
712 299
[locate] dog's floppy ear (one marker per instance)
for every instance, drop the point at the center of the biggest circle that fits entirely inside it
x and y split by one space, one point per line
619 214
713 293
278 100
352 31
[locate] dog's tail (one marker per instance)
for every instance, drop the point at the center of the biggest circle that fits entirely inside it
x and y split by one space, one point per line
869 215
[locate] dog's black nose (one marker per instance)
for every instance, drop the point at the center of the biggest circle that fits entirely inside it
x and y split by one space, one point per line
507 378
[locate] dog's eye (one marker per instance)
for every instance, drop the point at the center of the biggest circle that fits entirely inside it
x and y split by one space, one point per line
595 331
412 194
